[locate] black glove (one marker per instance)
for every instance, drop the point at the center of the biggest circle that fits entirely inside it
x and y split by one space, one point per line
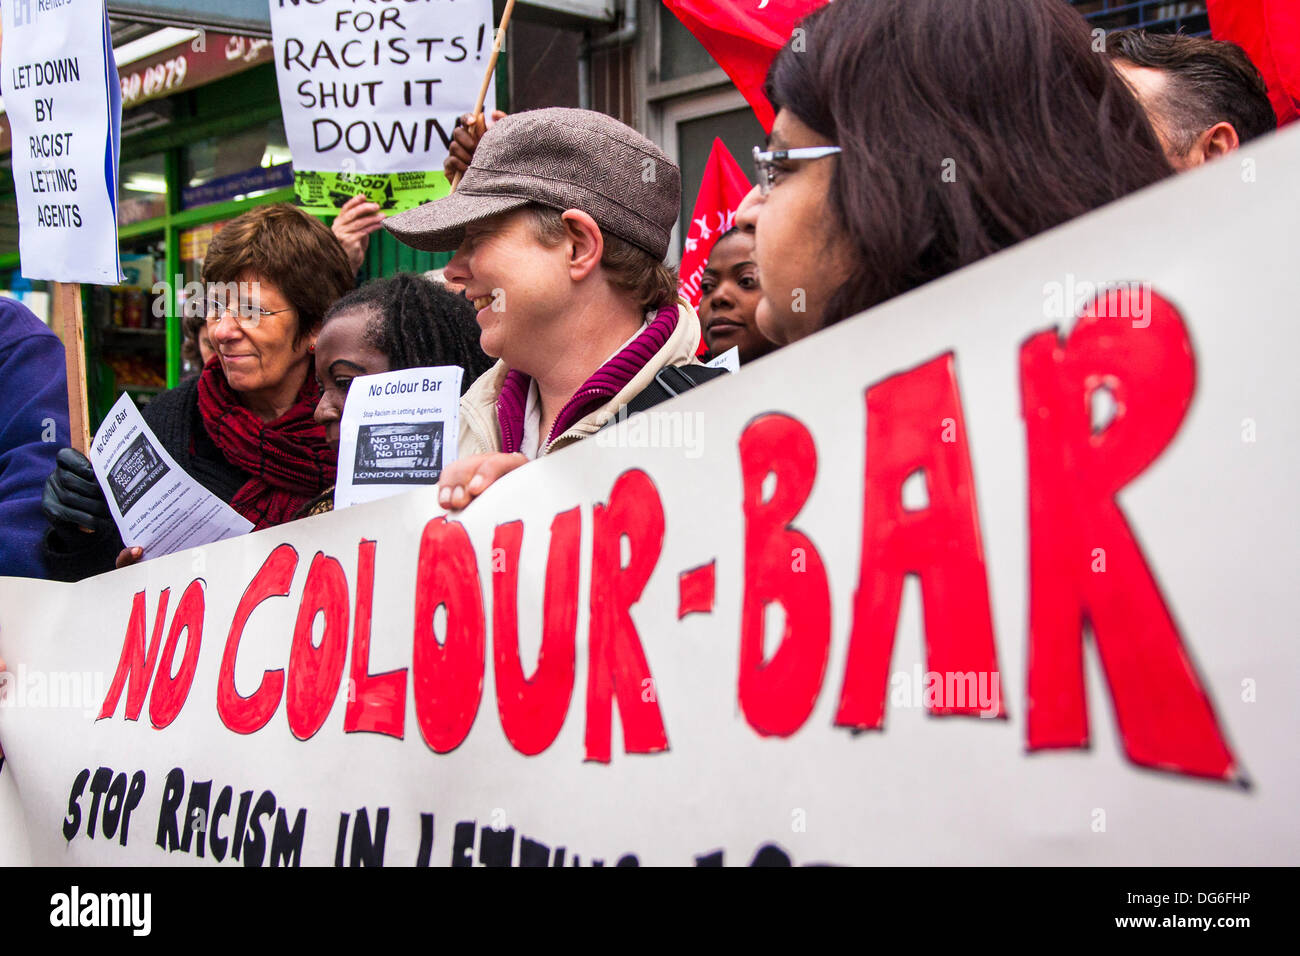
73 501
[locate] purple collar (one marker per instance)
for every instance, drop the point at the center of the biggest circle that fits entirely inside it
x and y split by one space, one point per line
606 382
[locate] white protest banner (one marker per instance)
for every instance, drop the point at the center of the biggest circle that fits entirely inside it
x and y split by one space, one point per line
386 684
377 88
64 104
399 429
14 850
156 505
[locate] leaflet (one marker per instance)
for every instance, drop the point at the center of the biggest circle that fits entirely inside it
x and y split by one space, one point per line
730 360
156 504
398 430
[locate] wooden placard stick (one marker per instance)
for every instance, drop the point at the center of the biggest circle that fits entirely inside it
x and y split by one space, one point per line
477 116
67 319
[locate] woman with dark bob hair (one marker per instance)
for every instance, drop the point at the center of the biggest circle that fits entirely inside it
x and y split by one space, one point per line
243 428
914 137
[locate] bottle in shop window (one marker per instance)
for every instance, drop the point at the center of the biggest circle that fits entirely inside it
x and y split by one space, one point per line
134 314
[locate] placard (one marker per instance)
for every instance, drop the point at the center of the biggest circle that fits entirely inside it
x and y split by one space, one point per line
399 430
326 193
64 105
377 88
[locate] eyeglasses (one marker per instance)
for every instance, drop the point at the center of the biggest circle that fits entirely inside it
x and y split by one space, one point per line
765 160
247 315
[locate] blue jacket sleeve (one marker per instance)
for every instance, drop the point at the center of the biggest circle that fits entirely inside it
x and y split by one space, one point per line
33 427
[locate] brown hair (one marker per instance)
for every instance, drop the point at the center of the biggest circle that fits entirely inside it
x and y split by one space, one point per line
289 248
966 126
191 322
1210 81
630 269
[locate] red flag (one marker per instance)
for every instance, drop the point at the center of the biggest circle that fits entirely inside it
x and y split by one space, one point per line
744 38
1269 32
723 187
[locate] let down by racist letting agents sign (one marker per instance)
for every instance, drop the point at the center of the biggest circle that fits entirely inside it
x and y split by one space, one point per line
64 105
1033 526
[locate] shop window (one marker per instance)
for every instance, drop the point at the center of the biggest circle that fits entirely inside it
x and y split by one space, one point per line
193 248
35 294
238 165
1186 16
739 131
8 223
680 54
127 326
141 190
543 65
688 113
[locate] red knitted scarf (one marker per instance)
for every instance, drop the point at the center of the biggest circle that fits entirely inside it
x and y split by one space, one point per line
289 459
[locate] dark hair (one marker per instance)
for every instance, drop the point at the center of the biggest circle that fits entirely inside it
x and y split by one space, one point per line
286 246
1006 97
417 322
1210 81
630 268
734 230
191 322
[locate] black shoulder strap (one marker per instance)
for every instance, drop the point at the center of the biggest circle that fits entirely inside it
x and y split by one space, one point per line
670 381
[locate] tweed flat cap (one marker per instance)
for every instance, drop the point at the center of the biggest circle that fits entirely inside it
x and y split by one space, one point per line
564 159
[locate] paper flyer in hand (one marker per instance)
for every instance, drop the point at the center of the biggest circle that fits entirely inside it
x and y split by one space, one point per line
156 504
398 431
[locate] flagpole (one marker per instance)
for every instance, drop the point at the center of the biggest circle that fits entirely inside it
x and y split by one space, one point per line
477 116
68 321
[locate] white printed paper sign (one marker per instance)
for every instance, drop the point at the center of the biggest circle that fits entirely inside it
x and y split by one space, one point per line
729 360
157 506
1067 624
399 430
64 103
377 88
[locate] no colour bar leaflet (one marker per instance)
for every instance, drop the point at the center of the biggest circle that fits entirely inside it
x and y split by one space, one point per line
64 106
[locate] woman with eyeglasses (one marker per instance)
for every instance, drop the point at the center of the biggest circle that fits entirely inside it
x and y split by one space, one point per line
914 137
244 427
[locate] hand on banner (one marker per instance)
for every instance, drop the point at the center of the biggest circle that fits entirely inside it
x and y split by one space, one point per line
358 218
128 556
73 500
465 479
464 140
